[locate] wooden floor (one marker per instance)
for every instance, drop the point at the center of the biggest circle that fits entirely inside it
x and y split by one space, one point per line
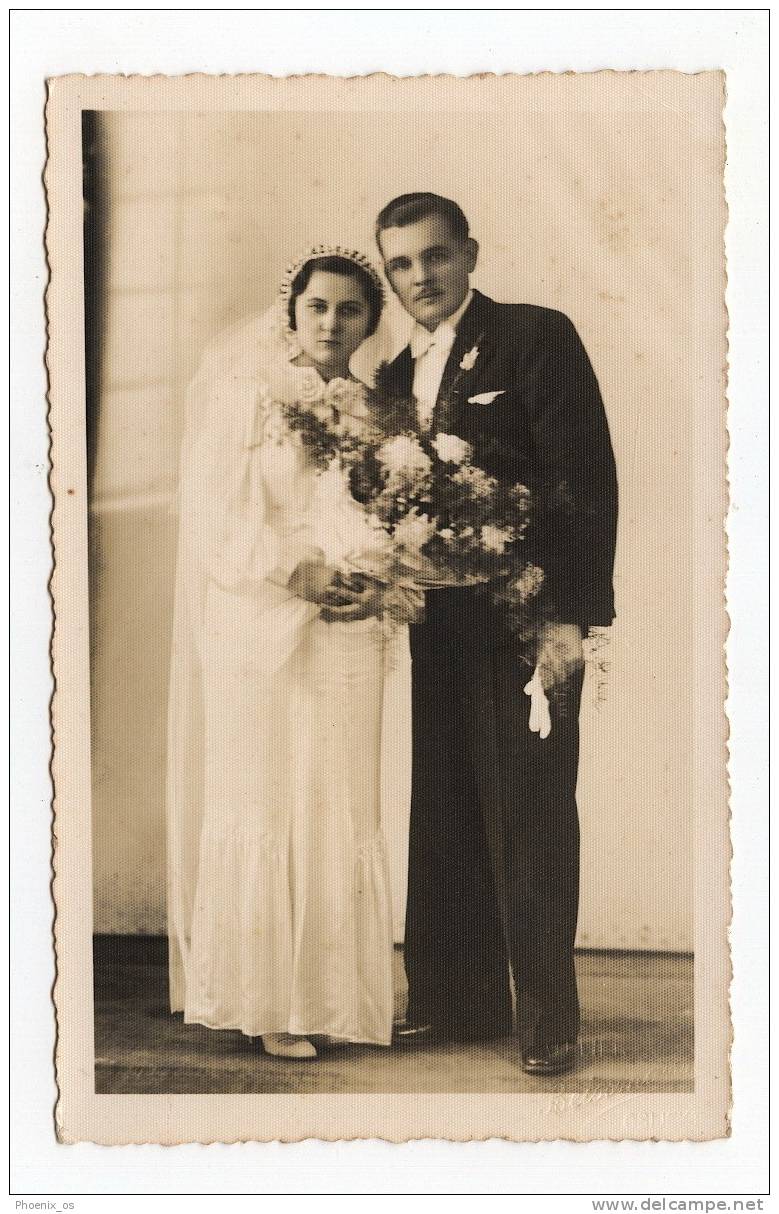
637 1036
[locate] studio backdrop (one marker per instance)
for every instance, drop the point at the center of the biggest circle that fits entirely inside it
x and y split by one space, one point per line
190 221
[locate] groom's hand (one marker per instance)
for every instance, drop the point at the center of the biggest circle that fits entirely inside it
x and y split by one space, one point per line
560 654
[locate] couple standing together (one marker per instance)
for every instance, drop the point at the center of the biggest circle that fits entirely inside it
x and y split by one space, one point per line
279 907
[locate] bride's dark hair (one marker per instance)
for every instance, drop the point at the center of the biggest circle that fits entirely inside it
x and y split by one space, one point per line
347 269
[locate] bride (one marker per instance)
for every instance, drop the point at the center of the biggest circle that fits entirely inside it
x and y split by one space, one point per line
278 899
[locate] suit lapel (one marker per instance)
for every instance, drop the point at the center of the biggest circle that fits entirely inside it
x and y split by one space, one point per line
461 366
403 373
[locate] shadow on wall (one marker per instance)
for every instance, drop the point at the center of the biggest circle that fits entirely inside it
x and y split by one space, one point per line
132 603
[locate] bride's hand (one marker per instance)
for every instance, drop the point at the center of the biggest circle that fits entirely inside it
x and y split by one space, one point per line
365 596
319 583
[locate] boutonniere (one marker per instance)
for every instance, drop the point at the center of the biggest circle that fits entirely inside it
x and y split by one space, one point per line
469 359
485 398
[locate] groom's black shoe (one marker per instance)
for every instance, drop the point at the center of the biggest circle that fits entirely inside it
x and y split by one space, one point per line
549 1060
406 1034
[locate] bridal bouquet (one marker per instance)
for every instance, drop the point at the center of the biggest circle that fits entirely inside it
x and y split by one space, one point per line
443 521
435 518
331 420
439 518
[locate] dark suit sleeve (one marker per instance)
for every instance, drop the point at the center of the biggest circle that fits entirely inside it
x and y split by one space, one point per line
575 532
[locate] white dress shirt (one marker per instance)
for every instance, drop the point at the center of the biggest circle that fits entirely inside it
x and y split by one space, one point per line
430 352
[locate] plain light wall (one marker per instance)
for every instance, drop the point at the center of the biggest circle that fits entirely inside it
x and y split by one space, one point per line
602 216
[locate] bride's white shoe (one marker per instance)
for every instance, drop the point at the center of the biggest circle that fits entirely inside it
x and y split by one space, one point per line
285 1045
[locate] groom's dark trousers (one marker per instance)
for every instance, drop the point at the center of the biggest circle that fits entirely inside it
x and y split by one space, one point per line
494 837
494 844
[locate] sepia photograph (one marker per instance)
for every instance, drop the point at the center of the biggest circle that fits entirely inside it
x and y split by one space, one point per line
393 466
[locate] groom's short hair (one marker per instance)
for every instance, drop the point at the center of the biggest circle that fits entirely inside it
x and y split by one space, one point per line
410 208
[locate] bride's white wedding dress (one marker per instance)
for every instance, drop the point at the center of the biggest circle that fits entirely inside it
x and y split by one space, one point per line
279 906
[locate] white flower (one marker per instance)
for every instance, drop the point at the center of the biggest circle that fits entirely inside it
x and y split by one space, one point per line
475 479
310 386
322 411
402 455
451 449
495 539
413 531
469 359
354 416
347 397
529 582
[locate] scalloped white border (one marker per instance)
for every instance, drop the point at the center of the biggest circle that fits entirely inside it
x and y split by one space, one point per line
51 42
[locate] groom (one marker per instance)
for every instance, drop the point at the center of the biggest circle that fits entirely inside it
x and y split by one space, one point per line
494 840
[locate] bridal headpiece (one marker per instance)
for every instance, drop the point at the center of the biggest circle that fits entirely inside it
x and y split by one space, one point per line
326 250
278 343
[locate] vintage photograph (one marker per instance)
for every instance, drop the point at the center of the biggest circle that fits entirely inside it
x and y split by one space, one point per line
398 488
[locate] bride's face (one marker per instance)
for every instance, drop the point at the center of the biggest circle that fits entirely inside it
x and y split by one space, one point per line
332 317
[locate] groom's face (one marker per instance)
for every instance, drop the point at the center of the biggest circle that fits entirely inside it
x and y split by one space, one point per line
428 268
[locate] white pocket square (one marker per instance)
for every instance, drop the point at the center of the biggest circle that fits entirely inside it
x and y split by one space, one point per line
485 398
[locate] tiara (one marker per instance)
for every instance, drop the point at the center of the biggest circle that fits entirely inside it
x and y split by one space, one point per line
327 250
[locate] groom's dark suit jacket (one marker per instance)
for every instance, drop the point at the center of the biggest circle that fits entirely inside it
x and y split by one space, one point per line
493 845
547 429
